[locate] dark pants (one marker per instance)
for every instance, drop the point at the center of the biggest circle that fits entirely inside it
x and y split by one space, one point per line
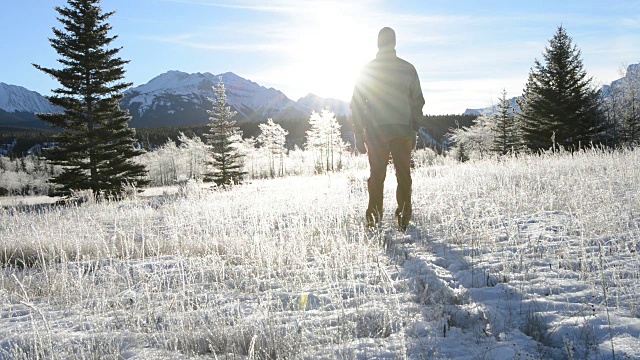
379 148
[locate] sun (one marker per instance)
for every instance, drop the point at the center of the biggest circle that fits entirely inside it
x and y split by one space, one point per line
328 52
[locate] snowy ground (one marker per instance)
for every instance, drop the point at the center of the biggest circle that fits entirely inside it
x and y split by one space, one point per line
530 258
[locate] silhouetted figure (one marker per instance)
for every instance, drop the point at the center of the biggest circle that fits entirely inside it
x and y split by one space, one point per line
386 106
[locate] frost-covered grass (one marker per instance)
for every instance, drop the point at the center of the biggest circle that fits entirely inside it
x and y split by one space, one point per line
528 258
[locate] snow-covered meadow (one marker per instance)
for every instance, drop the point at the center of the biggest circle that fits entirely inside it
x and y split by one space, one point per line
517 258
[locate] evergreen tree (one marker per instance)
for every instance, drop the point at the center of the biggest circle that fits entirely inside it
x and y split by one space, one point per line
461 153
224 138
559 99
507 132
96 145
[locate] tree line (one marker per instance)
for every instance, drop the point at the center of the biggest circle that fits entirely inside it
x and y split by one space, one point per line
25 140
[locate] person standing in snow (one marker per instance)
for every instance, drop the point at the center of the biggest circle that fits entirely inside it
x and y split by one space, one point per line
386 107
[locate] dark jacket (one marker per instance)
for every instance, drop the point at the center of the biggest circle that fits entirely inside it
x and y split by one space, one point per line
387 97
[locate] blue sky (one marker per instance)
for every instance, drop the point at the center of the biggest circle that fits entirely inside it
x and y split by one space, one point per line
465 52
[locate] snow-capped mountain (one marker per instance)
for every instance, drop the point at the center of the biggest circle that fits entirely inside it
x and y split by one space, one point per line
16 99
178 98
19 105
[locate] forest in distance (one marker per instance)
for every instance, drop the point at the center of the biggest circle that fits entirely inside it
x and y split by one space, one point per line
438 126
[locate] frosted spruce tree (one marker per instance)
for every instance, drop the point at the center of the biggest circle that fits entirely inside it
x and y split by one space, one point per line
559 103
324 139
96 146
224 138
272 138
507 135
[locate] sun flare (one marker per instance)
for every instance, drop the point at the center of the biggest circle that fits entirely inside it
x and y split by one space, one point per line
328 52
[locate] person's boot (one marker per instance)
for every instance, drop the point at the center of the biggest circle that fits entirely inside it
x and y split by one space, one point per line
373 219
403 218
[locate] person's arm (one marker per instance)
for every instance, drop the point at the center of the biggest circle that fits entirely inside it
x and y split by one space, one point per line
416 101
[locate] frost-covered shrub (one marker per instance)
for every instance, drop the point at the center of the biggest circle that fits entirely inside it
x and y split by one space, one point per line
25 176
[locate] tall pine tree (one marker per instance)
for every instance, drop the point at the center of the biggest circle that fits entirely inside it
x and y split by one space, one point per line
224 137
559 100
96 145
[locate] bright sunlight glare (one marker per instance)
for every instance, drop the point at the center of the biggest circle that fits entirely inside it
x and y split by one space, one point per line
328 52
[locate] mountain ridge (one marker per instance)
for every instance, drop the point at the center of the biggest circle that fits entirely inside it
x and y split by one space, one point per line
177 98
15 99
